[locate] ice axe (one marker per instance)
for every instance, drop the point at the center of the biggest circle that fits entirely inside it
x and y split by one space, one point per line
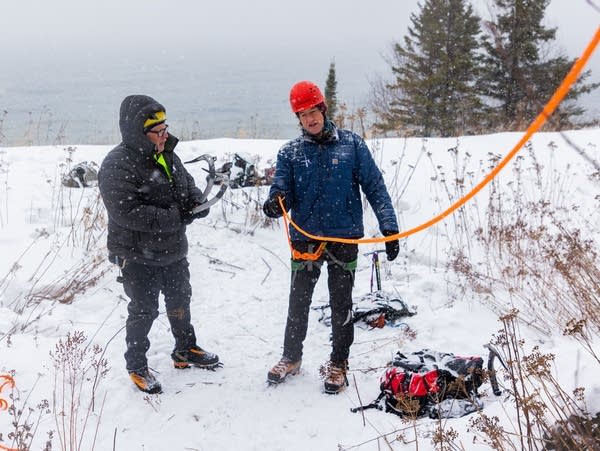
379 308
375 267
213 176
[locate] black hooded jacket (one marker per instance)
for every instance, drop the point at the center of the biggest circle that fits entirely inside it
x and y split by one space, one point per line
144 219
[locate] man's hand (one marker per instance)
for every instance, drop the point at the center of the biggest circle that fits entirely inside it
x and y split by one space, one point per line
271 207
392 248
188 216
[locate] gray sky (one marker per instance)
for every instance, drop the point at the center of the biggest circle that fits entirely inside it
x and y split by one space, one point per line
60 25
221 63
139 45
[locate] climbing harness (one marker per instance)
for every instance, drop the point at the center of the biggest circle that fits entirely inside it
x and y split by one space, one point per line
311 256
296 254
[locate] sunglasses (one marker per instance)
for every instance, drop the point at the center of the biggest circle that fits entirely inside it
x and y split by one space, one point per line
160 133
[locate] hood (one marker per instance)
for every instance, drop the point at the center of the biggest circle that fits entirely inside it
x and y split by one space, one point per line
135 109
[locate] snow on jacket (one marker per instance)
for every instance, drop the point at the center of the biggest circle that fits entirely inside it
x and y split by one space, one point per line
321 183
144 220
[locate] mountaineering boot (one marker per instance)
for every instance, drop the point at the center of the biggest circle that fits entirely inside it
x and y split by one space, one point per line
195 356
280 371
334 374
145 381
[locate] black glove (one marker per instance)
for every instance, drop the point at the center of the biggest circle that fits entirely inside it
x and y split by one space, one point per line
391 247
188 215
271 207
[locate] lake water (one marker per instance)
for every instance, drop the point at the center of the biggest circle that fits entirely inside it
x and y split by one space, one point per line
75 98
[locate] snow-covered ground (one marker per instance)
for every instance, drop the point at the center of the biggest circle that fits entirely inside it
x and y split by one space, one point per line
240 278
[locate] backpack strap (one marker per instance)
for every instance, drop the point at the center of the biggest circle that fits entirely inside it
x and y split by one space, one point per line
373 405
490 366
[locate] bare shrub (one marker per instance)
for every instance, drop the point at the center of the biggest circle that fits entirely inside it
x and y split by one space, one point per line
25 420
42 127
528 254
534 247
548 417
78 370
86 220
76 280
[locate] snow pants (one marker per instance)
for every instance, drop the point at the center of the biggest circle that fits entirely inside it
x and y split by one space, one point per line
143 284
341 265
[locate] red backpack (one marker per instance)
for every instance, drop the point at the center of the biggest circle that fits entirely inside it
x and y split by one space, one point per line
433 383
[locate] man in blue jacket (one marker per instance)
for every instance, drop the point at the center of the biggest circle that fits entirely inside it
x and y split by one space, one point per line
149 197
318 177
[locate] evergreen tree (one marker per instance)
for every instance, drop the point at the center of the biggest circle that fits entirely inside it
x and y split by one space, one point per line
516 77
331 91
436 72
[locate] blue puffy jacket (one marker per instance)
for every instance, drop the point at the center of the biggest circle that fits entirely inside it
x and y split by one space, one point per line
321 185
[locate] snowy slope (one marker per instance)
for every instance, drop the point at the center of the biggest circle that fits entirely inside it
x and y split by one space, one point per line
240 279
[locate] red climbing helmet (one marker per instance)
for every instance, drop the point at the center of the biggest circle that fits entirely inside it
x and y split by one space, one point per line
305 95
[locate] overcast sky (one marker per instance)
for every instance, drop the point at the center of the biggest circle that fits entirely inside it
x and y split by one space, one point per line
61 25
56 48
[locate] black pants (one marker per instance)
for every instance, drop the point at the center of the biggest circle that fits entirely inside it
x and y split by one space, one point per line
143 285
341 265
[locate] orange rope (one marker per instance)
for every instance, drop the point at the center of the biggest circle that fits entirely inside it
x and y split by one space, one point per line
296 254
3 404
546 112
8 381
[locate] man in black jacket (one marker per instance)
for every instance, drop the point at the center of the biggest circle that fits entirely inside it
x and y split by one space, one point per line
149 197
